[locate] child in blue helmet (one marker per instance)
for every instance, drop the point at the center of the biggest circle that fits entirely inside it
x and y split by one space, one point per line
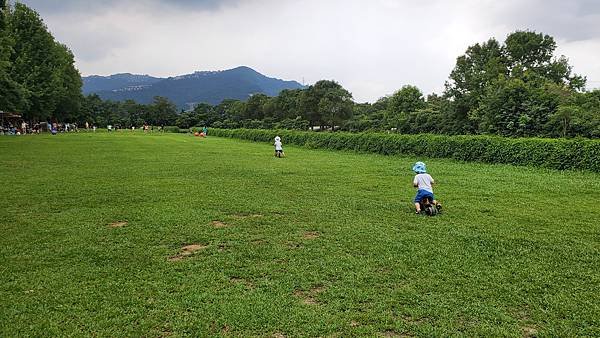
424 183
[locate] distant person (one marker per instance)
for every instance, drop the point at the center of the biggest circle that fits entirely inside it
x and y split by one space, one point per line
278 147
94 128
87 126
205 131
424 184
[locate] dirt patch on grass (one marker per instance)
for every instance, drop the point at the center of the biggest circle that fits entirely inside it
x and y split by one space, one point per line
294 245
385 271
190 249
308 297
187 251
317 289
354 323
119 224
166 332
219 224
258 242
413 320
225 330
305 298
522 314
529 331
311 235
278 335
241 281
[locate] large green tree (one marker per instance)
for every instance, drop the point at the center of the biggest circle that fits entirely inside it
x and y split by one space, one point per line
326 103
69 84
254 108
480 66
43 67
164 112
405 101
13 97
503 89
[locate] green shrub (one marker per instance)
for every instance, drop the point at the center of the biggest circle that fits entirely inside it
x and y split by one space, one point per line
174 129
561 154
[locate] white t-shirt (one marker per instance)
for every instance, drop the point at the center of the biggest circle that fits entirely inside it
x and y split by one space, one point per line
424 182
278 145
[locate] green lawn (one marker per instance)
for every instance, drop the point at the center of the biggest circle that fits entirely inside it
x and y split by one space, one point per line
320 243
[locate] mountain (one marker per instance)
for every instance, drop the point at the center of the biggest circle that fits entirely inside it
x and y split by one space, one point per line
186 90
95 83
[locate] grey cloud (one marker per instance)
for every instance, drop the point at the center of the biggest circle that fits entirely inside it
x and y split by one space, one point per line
90 6
588 7
565 20
371 47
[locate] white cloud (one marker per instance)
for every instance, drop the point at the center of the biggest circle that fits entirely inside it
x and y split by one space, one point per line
371 47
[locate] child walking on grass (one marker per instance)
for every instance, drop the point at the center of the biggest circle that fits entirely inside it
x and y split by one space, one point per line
424 184
278 147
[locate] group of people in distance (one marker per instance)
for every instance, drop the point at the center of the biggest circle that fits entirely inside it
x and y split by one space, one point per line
25 128
422 180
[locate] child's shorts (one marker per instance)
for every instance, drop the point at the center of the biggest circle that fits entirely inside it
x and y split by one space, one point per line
422 194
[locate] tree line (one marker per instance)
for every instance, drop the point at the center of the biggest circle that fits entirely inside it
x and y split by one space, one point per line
516 88
38 77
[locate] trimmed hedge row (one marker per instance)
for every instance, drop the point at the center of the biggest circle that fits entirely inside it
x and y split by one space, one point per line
561 154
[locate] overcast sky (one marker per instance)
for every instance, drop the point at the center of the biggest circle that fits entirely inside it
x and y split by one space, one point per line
371 47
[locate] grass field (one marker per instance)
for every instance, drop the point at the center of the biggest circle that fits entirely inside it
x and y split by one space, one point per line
170 235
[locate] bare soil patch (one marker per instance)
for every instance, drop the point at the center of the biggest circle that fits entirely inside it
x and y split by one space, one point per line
413 320
311 235
119 224
258 242
278 335
354 323
317 289
529 331
237 280
166 332
383 270
294 245
225 330
308 297
219 224
187 251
